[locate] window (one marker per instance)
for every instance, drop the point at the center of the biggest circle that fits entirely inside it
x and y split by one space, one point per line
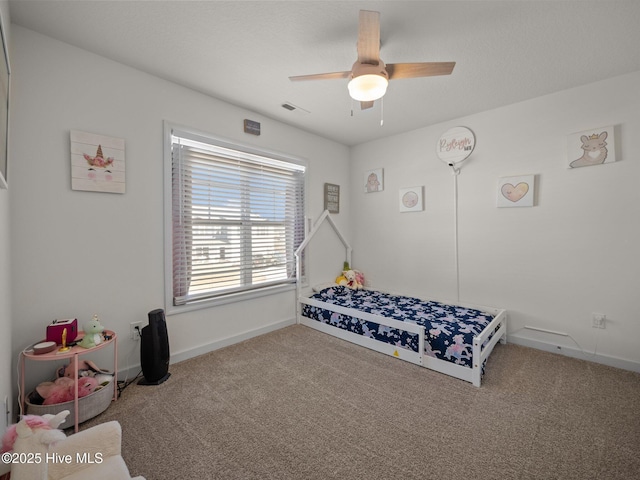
236 218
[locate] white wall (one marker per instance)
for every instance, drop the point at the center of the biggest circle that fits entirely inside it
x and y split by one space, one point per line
5 279
575 252
79 253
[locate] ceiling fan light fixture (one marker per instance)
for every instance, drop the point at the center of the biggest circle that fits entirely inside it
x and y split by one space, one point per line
369 82
367 88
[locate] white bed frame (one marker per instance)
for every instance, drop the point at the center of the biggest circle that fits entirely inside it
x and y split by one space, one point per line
480 350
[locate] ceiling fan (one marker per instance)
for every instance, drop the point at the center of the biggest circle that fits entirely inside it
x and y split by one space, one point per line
369 76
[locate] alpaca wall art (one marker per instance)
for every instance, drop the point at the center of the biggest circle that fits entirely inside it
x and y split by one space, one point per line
591 147
97 163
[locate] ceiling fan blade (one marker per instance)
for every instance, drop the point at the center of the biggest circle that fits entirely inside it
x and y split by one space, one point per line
369 37
321 76
413 70
365 105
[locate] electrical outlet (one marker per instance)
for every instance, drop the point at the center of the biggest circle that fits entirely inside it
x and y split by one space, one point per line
135 330
599 320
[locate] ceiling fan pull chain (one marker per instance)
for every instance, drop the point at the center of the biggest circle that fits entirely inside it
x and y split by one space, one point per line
382 111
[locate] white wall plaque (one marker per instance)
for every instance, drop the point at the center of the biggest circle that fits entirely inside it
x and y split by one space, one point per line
455 145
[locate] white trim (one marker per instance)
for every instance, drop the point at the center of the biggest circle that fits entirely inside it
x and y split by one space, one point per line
170 129
575 353
130 371
167 215
228 298
127 374
233 145
177 357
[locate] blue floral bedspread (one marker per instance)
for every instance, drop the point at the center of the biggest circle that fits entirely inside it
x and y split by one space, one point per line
449 329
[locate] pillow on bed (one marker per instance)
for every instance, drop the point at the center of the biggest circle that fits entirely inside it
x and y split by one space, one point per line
321 286
335 291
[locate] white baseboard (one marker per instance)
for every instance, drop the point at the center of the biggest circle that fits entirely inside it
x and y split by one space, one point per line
575 353
177 357
128 373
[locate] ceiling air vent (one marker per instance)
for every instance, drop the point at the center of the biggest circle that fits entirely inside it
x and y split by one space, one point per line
294 108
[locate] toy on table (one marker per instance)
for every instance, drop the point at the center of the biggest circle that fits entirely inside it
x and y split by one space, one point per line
92 333
64 347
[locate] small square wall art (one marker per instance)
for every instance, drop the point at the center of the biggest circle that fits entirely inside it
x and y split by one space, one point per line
591 147
516 191
373 181
411 199
97 163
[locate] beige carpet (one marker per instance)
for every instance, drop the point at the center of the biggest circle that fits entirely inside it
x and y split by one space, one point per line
299 404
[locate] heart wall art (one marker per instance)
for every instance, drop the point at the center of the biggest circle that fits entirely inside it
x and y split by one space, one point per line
516 191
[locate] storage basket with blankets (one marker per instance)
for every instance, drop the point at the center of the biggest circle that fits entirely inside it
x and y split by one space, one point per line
88 406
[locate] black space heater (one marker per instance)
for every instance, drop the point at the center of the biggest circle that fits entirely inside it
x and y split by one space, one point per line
154 350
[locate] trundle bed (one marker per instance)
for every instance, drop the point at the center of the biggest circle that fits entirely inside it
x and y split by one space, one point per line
452 339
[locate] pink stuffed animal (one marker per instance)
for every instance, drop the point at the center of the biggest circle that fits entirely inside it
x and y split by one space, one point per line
86 368
63 389
30 438
33 423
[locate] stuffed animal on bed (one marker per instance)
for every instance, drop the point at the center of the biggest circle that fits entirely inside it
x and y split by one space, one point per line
359 278
341 279
352 279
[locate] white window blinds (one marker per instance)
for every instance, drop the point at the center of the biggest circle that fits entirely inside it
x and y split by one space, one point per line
237 218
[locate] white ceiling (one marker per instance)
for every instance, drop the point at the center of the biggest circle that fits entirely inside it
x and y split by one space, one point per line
244 51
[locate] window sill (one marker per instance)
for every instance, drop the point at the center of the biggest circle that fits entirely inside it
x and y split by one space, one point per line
171 309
